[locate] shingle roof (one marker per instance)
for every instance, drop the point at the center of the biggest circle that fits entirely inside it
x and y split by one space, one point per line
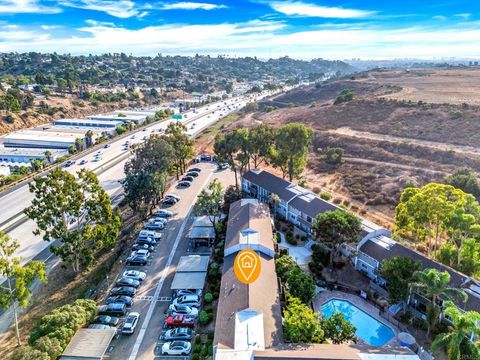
457 279
270 182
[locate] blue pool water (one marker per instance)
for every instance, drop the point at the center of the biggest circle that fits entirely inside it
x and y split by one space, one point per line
369 330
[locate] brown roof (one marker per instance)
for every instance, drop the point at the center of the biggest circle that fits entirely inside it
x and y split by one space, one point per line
249 214
261 295
315 351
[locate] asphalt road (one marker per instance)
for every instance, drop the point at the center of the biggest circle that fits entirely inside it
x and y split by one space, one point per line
154 294
109 170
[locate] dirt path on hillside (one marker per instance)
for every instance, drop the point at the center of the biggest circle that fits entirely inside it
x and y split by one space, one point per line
393 165
346 131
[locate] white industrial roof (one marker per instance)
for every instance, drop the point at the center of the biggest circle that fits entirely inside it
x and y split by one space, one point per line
193 263
8 151
249 330
87 121
42 136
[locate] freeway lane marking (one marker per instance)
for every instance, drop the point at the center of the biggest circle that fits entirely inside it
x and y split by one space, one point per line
151 308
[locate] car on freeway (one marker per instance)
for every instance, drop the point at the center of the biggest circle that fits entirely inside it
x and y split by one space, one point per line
196 169
182 292
188 178
163 214
106 320
136 260
182 310
135 274
187 300
115 309
181 333
169 201
83 162
140 246
183 184
152 224
125 281
176 348
173 196
174 321
193 174
123 290
97 158
69 163
131 323
124 299
106 146
149 234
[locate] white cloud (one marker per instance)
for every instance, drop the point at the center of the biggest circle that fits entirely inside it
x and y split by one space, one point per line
187 5
312 10
464 16
439 17
117 8
26 6
254 38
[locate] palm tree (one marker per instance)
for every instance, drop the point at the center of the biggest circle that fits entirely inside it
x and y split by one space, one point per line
457 342
433 284
89 136
48 156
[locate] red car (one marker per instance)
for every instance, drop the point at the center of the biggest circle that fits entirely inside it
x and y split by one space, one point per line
180 321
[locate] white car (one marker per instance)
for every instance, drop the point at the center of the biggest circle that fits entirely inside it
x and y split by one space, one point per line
135 275
182 310
162 213
188 300
176 348
159 219
145 253
144 234
182 292
130 323
154 225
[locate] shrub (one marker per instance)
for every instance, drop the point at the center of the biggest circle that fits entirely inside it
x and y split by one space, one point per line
195 357
344 96
291 240
320 255
203 318
198 340
208 298
325 195
284 265
279 238
316 190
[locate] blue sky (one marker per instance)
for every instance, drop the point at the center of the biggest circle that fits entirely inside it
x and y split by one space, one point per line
302 29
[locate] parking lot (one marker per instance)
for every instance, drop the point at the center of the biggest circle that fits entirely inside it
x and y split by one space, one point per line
154 295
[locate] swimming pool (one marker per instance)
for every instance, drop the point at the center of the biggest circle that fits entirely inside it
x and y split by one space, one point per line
369 330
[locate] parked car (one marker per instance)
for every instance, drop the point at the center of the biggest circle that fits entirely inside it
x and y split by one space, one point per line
173 321
115 309
183 184
144 234
169 201
188 178
174 196
124 299
143 252
148 241
139 246
181 333
154 225
176 348
182 310
124 290
106 320
223 166
188 300
158 218
137 260
135 274
100 327
131 323
193 173
125 281
182 292
196 169
162 213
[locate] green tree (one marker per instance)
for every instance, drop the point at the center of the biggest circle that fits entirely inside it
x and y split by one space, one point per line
261 138
26 352
398 272
433 284
466 180
301 324
284 265
89 136
77 213
457 342
291 147
338 330
344 96
181 144
301 285
226 148
48 156
335 228
16 290
469 257
231 195
209 203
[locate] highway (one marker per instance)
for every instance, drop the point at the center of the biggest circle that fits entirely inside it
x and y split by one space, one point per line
109 169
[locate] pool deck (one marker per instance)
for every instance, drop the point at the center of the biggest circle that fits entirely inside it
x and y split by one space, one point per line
393 345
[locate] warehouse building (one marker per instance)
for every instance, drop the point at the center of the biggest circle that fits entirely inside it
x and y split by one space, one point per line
46 139
25 155
88 123
136 119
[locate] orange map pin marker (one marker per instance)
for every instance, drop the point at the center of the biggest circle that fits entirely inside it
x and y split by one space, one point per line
247 266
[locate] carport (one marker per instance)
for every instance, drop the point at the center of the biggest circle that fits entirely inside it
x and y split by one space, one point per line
91 344
191 272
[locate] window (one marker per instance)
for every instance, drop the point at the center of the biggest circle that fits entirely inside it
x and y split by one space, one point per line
309 219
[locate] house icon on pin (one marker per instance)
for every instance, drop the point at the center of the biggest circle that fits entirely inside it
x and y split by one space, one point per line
247 261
